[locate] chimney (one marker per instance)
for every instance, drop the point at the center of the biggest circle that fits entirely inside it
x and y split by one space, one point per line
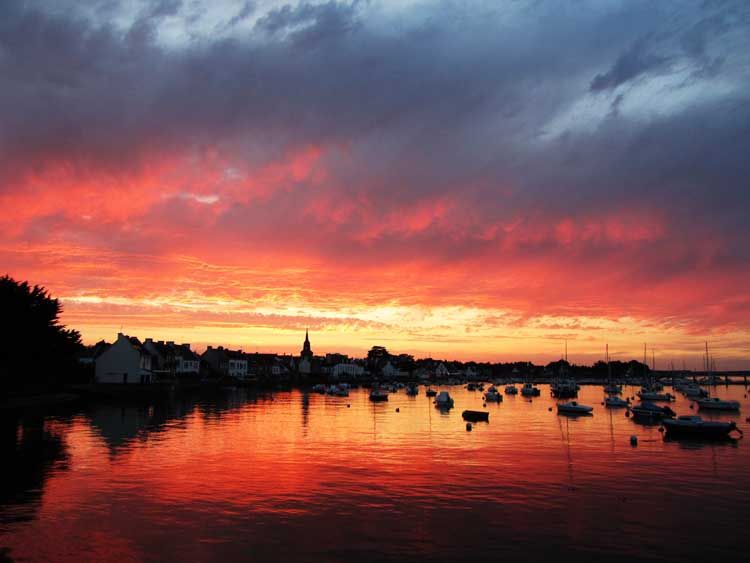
170 343
209 347
187 345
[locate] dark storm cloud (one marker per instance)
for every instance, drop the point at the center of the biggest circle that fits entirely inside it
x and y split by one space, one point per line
444 101
634 62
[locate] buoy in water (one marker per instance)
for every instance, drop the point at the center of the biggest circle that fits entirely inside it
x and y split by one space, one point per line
550 409
468 426
661 429
634 440
627 413
348 406
398 410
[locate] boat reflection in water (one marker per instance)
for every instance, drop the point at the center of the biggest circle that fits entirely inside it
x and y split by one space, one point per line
296 476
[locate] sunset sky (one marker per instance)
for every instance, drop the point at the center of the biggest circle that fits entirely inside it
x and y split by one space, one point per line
466 179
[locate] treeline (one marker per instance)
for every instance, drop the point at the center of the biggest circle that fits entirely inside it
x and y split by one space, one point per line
35 348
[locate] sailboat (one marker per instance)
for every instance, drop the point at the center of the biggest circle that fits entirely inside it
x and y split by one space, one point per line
714 403
611 388
564 387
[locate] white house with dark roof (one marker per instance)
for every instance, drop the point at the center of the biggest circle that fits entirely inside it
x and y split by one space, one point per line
125 361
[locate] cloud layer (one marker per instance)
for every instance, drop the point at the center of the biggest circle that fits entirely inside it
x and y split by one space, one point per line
239 170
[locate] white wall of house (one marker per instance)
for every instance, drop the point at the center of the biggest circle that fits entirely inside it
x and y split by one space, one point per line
238 368
122 363
186 366
353 370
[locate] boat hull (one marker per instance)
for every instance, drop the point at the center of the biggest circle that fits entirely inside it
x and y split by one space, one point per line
475 416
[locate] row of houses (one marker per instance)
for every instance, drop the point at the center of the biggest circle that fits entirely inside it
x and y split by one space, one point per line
128 360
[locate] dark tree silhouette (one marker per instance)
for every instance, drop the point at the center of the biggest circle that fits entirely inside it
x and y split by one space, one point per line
34 347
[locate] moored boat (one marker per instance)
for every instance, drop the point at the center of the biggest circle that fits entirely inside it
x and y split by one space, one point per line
716 404
412 390
655 396
511 390
476 416
430 392
492 395
528 390
378 395
573 408
615 402
444 400
564 388
696 427
652 411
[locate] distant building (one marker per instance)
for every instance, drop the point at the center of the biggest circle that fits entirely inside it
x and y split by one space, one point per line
186 362
224 362
306 357
125 361
348 370
441 371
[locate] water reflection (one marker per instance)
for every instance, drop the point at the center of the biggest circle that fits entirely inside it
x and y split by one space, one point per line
31 448
296 476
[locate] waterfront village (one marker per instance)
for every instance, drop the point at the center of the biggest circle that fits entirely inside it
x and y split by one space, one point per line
128 360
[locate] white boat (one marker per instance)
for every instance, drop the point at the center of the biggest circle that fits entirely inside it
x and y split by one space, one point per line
613 402
716 404
528 390
573 408
444 400
492 396
511 390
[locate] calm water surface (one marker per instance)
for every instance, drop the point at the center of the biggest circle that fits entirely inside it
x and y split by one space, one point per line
293 476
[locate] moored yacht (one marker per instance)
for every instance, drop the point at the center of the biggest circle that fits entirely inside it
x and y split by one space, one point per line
529 390
696 427
716 404
654 396
511 390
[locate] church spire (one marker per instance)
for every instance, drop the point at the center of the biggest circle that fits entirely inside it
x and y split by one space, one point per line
306 350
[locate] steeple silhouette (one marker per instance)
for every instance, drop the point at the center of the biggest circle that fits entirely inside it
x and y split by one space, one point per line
306 350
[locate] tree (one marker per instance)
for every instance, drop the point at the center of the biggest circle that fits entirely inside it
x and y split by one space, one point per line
34 346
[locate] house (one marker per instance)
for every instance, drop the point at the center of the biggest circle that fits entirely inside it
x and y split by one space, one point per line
441 371
186 362
162 357
225 362
347 369
125 361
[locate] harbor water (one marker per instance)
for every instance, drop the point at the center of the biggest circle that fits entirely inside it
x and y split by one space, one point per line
299 476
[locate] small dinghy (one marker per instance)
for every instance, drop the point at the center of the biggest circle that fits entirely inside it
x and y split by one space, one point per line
511 390
650 410
696 427
444 400
573 408
412 390
430 392
615 402
476 416
717 404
